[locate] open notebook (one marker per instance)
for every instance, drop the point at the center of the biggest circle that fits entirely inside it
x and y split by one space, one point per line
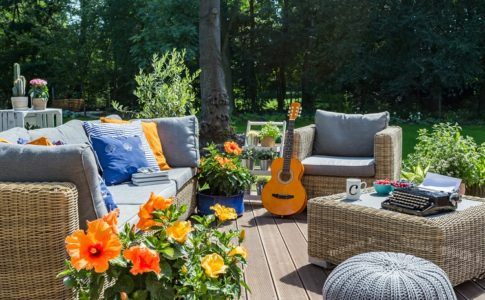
437 182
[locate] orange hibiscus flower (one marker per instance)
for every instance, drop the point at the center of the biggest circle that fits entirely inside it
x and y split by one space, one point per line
144 260
179 231
146 211
112 219
232 148
225 162
93 248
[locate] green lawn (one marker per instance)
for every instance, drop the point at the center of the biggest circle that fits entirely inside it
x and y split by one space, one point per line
410 131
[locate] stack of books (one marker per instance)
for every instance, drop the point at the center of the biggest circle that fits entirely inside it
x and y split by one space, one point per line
150 178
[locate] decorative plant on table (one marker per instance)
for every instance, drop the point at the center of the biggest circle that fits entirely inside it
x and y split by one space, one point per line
268 134
222 179
161 258
39 93
446 151
19 100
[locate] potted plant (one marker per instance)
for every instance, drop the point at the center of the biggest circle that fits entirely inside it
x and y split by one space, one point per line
446 151
161 257
19 100
222 179
268 134
247 158
39 93
265 157
261 181
252 138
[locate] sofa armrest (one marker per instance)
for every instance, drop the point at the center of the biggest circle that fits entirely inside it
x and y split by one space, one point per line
303 141
35 219
388 153
66 163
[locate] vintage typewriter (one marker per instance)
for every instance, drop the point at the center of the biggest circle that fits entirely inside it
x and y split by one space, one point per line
421 202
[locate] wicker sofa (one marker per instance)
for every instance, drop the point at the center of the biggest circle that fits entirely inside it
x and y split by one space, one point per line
48 192
385 163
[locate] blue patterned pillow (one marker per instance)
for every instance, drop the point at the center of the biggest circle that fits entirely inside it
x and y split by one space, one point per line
131 129
119 157
107 196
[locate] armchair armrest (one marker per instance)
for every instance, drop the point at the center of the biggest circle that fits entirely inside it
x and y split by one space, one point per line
35 219
388 153
303 141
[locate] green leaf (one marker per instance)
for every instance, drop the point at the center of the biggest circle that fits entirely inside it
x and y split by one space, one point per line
125 284
140 295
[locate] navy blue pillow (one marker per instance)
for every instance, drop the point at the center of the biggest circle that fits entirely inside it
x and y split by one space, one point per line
119 157
107 196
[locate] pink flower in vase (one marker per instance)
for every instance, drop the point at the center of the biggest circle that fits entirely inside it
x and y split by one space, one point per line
38 82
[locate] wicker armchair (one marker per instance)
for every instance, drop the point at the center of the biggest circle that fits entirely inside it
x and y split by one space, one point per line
35 219
387 157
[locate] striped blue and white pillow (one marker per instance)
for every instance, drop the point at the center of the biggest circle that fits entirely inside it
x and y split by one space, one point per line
131 129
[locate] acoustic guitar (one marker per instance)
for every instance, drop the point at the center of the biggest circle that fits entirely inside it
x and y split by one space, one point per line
284 194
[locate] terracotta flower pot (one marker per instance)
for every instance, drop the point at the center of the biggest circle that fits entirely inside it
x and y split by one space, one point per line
39 103
20 103
268 141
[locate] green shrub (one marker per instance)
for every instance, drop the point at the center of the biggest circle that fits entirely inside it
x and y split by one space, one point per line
167 90
446 151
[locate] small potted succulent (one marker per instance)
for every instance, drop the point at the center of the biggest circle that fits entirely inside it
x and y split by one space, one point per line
222 179
265 157
247 158
39 93
19 100
252 138
268 134
261 181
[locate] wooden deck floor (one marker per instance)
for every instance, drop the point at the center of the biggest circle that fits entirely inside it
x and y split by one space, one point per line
278 265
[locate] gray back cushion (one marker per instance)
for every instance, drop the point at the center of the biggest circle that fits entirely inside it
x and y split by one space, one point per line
180 140
340 134
67 163
70 133
12 135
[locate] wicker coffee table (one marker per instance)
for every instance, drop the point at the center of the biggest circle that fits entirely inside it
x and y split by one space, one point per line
339 229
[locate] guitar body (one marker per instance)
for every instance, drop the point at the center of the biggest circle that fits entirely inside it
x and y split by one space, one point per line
284 195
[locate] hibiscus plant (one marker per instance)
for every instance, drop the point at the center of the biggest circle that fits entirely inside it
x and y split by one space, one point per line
161 257
221 173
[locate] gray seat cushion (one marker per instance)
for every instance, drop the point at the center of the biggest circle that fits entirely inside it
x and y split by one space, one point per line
339 166
181 176
347 135
128 193
128 214
70 133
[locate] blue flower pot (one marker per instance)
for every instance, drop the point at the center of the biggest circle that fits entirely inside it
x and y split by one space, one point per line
204 203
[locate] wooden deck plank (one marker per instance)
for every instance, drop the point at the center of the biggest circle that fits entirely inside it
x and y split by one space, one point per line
313 277
470 290
301 221
287 282
258 274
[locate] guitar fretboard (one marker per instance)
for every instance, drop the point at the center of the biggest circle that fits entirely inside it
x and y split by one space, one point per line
288 148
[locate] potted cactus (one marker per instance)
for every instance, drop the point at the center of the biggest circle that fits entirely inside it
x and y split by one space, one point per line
252 138
39 93
268 134
19 100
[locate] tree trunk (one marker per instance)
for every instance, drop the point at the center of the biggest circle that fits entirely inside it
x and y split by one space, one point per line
215 120
281 90
252 88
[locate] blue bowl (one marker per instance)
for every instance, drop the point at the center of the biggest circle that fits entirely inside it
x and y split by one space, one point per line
383 189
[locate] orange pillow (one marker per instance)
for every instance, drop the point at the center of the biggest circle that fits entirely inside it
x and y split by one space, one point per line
42 141
151 134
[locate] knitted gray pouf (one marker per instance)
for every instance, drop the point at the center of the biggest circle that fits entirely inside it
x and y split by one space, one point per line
387 276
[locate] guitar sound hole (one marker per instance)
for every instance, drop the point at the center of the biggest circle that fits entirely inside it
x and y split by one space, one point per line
285 176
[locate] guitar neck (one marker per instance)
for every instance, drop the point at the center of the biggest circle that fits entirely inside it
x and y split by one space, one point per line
288 148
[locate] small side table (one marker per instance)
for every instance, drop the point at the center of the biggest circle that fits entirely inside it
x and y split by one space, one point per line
50 117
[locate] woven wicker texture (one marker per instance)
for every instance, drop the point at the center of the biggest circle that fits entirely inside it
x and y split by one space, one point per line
387 154
387 276
186 195
455 241
35 218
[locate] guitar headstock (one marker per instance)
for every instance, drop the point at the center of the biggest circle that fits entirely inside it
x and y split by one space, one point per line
294 111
